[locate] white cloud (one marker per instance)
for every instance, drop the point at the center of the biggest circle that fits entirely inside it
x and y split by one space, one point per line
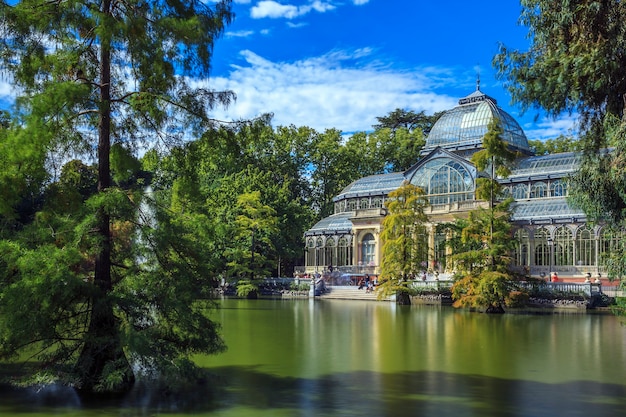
360 2
329 91
549 128
275 10
239 34
297 25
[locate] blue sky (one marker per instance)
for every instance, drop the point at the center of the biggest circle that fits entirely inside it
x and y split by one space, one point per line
341 63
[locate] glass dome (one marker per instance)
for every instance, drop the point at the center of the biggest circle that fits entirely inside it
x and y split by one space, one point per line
464 126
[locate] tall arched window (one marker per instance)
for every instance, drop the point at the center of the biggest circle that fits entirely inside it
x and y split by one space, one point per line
522 247
563 247
368 249
585 247
364 204
330 252
520 192
310 252
539 190
344 252
558 189
440 250
542 251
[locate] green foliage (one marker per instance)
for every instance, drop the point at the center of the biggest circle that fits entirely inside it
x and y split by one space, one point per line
255 228
557 145
408 120
575 64
404 238
574 61
114 285
247 288
483 278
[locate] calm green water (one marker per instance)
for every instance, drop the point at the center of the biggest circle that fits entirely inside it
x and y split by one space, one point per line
352 358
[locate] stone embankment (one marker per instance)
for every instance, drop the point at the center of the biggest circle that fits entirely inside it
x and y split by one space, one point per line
558 303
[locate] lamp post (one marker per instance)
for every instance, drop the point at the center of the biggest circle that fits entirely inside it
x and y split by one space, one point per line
550 254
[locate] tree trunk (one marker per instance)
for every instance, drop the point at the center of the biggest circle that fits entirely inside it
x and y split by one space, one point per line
403 298
102 352
495 309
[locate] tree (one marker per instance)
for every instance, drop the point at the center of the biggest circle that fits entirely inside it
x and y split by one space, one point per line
484 279
93 74
575 64
405 240
330 170
407 119
557 145
256 226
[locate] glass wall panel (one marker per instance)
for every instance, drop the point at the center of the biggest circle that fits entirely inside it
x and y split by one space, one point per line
330 252
520 192
522 251
444 180
539 190
558 188
585 247
344 252
542 251
563 247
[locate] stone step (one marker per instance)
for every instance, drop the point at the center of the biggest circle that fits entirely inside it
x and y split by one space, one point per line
350 293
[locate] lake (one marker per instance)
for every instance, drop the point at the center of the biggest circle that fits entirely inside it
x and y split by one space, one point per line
360 358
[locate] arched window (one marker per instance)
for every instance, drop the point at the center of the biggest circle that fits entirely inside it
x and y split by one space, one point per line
522 247
558 189
310 252
330 252
520 192
368 247
440 250
445 180
377 202
542 250
563 247
344 252
351 204
364 204
585 247
539 190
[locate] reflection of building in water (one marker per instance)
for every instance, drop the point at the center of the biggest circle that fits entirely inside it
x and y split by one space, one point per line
550 234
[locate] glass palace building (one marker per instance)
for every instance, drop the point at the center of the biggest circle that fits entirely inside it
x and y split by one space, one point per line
550 234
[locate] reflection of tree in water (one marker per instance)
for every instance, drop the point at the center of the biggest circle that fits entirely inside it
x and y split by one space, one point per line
411 394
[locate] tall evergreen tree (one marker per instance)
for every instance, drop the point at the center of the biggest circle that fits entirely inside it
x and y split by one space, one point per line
484 279
404 239
93 74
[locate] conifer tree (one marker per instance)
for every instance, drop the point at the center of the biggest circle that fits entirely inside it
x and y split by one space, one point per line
93 75
404 240
483 277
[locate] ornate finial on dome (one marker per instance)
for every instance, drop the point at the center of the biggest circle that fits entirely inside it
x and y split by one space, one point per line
477 80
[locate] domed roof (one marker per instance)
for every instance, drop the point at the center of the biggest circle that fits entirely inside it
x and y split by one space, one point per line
463 127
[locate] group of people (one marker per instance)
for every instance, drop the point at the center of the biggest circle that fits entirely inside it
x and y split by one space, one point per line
367 283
